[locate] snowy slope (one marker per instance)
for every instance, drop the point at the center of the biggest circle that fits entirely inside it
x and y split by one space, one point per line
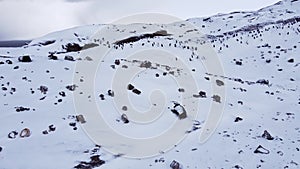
259 52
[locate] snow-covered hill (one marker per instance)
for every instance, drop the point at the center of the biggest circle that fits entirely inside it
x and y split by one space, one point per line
259 51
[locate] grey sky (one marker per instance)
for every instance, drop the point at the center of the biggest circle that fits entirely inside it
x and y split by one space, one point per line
27 19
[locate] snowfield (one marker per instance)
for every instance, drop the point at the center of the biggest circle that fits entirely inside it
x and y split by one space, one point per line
246 65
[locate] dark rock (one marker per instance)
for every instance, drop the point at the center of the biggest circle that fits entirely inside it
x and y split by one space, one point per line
72 124
181 90
1 148
124 118
238 167
88 58
80 118
71 87
25 58
237 119
179 111
25 133
43 89
216 98
52 57
48 42
117 62
146 64
12 134
21 108
291 60
261 150
94 162
202 94
72 47
143 36
130 87
69 58
175 165
102 96
220 83
9 62
238 63
111 93
62 94
267 135
136 91
263 82
52 128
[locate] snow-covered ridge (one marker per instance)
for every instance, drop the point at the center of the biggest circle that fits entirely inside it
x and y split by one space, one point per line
259 52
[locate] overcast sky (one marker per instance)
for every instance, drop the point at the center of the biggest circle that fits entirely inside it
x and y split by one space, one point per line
27 19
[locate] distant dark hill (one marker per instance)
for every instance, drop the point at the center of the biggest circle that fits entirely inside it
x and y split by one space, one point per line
14 43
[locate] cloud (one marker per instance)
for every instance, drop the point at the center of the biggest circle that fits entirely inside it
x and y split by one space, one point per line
26 19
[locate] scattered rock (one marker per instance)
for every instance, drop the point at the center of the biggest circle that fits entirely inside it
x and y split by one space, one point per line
52 128
130 87
267 135
21 108
9 62
237 119
72 124
69 58
43 89
237 167
25 58
220 83
202 94
117 62
124 118
216 98
263 82
179 111
111 93
261 150
102 96
48 42
88 58
136 91
62 94
146 64
94 162
45 132
238 63
80 118
181 90
72 47
25 133
175 165
291 60
124 108
52 57
71 87
12 134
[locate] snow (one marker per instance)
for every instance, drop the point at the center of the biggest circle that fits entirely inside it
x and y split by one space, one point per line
260 79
